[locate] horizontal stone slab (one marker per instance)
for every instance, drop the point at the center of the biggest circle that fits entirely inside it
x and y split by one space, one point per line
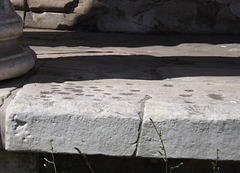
104 117
195 119
49 20
52 5
73 114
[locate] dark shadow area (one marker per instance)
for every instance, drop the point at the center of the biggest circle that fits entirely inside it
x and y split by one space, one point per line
107 164
72 39
1 143
134 67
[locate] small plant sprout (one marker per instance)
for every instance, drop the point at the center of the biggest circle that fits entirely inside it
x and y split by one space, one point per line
85 158
176 167
216 169
53 159
163 151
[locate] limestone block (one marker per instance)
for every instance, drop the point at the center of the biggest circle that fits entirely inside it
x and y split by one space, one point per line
193 127
18 162
73 114
19 4
235 7
52 5
50 20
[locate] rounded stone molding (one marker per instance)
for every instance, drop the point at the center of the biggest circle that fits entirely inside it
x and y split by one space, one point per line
15 60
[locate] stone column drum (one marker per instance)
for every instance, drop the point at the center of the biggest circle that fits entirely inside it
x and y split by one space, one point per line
15 60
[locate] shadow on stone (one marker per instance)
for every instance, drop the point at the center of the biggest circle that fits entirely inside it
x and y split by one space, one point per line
72 39
135 67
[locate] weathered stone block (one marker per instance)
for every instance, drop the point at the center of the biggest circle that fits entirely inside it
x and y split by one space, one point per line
49 20
92 123
52 5
193 127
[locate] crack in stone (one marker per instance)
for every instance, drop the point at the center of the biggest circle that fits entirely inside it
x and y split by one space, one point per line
1 103
141 116
7 96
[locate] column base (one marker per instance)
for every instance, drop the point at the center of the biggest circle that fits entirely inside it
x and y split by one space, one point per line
14 59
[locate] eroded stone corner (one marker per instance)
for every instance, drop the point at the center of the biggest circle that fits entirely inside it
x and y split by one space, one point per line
5 100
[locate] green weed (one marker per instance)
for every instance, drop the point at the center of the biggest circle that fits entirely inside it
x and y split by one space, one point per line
163 151
216 169
53 159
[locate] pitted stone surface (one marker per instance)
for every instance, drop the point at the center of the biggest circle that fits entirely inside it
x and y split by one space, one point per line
196 115
195 118
88 115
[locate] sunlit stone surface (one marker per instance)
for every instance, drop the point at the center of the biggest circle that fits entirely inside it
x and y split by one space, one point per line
14 59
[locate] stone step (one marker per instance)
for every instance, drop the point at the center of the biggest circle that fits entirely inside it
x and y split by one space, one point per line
100 99
111 117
